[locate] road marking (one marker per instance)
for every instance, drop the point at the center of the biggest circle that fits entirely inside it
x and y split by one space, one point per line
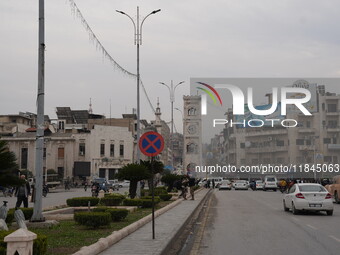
311 227
336 239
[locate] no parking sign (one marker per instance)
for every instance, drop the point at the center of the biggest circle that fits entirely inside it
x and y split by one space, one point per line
151 144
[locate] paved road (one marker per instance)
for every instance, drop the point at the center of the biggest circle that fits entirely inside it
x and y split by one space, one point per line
253 222
57 197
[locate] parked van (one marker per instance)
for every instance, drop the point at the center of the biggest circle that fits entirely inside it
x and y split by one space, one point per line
270 182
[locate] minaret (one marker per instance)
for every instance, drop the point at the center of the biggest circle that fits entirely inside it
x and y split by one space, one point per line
158 113
90 108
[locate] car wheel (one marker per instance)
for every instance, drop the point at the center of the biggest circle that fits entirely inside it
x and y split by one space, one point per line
329 213
294 211
285 208
336 198
264 189
275 190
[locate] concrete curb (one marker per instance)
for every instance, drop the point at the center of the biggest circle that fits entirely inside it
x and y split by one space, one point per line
175 237
116 236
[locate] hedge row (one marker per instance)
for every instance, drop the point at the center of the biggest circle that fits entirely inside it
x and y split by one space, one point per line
107 200
39 244
145 203
93 219
28 212
116 214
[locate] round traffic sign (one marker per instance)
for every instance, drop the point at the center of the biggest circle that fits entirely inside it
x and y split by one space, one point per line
151 143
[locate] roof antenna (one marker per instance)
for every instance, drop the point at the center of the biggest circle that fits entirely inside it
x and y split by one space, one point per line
90 109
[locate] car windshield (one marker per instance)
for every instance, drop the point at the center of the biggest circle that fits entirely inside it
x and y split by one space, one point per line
241 181
271 179
258 181
225 182
311 188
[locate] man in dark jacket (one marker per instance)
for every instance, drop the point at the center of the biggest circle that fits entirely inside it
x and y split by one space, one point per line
22 192
192 183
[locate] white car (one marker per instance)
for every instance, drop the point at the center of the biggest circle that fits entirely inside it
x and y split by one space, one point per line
259 185
308 197
270 182
225 184
241 184
124 184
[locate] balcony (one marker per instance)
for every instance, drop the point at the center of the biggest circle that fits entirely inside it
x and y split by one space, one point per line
333 129
269 149
333 146
306 130
307 147
332 113
266 132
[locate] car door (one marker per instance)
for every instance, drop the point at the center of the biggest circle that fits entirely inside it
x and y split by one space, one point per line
289 196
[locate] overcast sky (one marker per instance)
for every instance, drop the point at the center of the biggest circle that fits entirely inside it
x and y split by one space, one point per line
192 38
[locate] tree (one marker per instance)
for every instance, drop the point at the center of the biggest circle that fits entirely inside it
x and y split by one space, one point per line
158 167
169 180
134 173
8 167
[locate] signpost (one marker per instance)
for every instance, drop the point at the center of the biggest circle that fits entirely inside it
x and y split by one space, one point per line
151 144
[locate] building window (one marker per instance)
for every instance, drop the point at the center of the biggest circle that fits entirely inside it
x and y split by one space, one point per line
121 150
192 111
331 107
61 152
24 157
308 142
44 153
82 149
300 142
308 124
242 145
280 142
102 150
112 150
327 159
327 140
191 148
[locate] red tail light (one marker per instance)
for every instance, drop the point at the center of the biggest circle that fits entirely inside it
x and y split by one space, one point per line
299 195
328 196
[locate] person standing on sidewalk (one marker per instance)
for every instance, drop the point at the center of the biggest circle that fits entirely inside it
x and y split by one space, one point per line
22 192
185 182
192 183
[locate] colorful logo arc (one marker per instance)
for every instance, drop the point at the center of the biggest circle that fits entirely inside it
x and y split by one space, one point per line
209 93
151 144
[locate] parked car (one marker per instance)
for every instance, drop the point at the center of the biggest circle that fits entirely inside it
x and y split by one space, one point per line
225 184
124 184
103 183
241 184
270 182
308 197
334 189
259 184
114 184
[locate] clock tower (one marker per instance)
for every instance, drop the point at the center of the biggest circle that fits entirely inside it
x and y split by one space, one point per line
192 132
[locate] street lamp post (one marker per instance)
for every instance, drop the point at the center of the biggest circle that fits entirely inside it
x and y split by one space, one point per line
138 41
172 90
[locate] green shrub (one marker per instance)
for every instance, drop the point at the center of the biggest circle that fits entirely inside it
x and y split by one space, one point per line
132 202
156 198
28 212
39 244
145 203
100 209
111 200
144 192
114 194
165 197
10 216
82 201
159 190
117 214
93 219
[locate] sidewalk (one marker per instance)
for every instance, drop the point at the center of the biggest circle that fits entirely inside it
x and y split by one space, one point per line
166 227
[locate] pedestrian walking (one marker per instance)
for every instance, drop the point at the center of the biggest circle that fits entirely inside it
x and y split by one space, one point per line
213 183
192 183
22 192
185 182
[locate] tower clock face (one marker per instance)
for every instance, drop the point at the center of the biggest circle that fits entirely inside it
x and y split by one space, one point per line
192 129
